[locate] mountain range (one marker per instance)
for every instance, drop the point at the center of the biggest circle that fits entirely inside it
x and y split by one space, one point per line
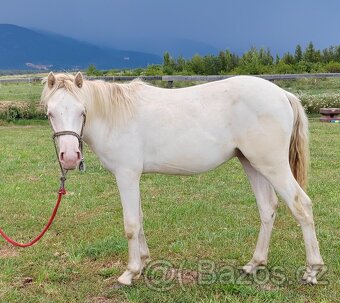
158 45
22 48
27 49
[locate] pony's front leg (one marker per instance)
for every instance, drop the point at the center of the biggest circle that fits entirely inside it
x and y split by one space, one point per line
128 185
144 250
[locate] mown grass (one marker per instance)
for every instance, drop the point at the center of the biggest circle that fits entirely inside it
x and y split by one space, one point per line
190 222
20 91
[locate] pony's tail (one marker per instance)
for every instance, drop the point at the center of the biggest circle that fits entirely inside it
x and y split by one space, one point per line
299 143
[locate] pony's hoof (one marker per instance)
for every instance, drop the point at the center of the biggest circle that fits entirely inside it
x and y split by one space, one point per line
126 278
309 277
309 281
249 269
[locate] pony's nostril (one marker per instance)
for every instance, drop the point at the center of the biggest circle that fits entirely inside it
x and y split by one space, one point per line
78 155
62 156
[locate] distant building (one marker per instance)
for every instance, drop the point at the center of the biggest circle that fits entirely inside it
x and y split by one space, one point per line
38 66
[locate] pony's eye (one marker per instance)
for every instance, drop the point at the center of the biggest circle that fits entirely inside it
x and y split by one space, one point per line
49 115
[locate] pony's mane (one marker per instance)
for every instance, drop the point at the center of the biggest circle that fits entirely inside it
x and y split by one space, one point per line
111 101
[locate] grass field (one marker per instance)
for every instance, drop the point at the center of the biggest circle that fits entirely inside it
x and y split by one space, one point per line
200 230
203 228
20 91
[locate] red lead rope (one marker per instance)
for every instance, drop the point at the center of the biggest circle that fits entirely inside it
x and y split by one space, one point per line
8 239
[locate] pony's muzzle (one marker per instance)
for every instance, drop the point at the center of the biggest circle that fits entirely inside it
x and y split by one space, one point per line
70 160
69 153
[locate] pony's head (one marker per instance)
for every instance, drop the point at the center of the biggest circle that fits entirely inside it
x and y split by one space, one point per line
66 97
66 113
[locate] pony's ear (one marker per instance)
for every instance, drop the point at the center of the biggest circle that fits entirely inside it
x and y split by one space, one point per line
78 80
51 80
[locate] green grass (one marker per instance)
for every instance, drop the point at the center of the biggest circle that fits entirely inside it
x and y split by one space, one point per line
311 86
20 91
189 221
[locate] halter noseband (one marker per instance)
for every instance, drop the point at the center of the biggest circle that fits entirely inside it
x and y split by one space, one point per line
80 140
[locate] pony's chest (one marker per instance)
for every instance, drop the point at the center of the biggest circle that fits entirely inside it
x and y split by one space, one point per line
115 148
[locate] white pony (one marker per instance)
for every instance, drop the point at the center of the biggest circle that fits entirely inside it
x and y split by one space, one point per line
136 128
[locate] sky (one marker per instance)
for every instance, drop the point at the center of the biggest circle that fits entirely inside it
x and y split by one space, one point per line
224 24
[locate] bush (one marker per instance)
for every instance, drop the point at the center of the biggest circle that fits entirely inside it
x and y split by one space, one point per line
313 103
93 71
284 68
332 67
15 112
154 70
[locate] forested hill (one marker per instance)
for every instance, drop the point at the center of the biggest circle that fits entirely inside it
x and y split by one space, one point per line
22 48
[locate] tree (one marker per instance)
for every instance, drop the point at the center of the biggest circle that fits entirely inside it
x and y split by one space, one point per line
212 65
265 57
288 58
232 60
197 64
312 55
168 64
223 61
166 59
93 71
180 64
250 62
298 53
277 59
337 54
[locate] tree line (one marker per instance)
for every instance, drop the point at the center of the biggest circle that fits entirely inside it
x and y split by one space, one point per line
254 61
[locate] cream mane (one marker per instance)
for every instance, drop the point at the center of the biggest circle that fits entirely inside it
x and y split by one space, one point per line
111 101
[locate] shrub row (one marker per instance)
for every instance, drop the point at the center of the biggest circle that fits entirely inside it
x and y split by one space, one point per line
20 110
313 103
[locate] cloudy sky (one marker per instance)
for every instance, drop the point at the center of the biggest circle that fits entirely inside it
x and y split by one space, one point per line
232 24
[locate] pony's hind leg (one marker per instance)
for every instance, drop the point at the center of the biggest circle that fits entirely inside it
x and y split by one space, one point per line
281 177
267 203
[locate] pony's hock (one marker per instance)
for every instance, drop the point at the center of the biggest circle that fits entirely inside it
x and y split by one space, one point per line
330 114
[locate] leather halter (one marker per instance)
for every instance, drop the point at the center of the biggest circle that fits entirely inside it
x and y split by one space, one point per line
80 140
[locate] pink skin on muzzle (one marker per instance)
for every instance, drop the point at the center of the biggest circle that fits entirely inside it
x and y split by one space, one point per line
69 153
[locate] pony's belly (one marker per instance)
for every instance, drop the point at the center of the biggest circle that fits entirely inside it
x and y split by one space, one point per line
188 165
